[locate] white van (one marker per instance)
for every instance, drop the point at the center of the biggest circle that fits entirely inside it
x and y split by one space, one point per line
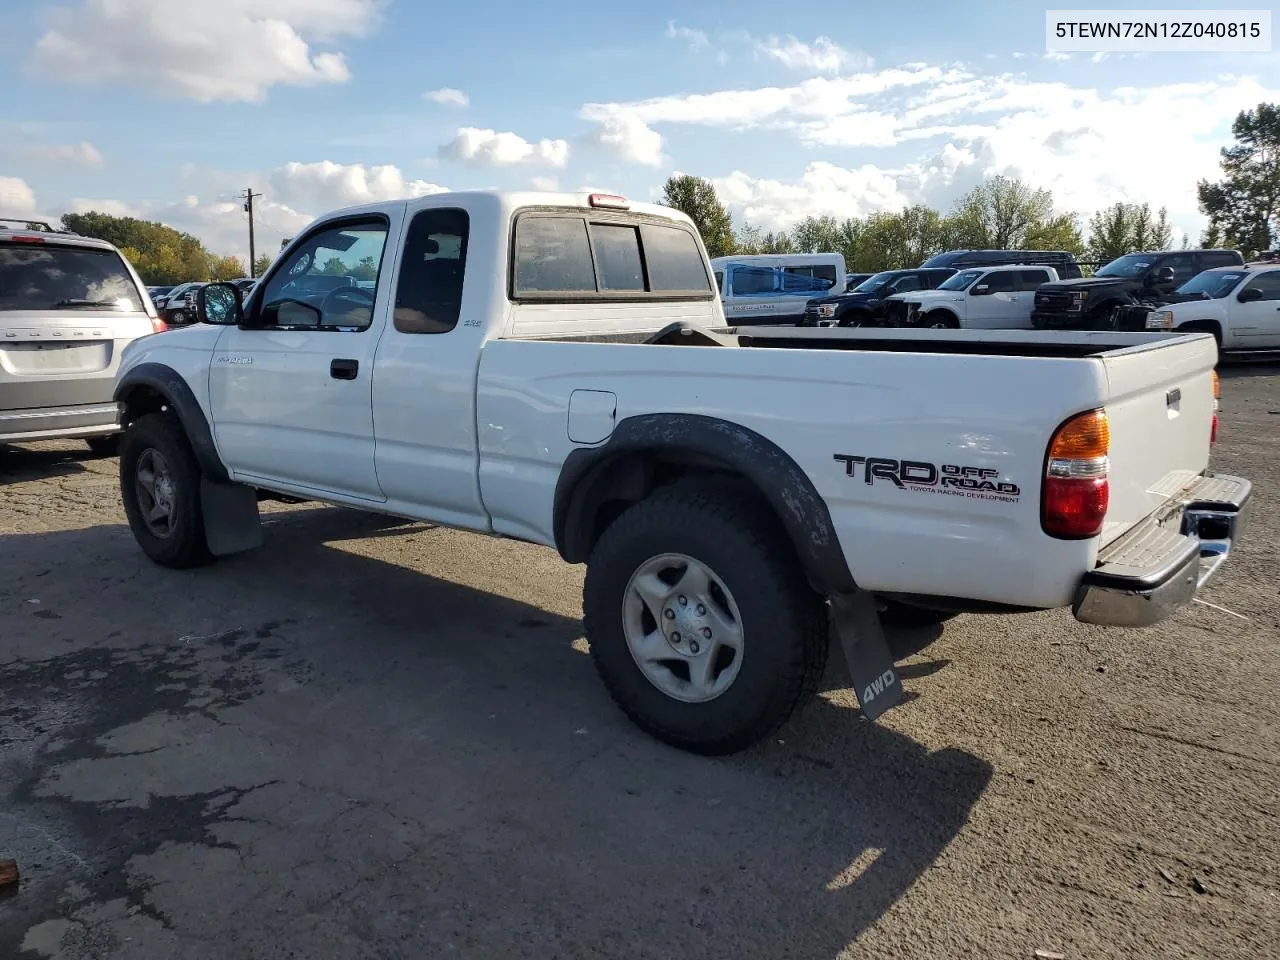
774 287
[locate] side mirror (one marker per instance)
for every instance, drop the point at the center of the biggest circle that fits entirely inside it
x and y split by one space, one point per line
1162 275
1249 294
219 303
981 290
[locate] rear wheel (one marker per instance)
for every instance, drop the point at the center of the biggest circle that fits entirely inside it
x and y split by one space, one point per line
160 487
700 625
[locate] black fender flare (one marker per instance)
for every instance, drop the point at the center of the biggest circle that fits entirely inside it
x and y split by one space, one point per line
589 474
177 394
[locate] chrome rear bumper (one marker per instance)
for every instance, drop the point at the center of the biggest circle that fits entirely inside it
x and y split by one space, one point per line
1157 567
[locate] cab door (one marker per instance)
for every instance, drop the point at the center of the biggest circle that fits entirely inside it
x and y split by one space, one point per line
1256 323
291 388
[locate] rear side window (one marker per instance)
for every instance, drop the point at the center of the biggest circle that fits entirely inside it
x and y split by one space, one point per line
46 276
429 291
749 280
821 271
1215 259
1184 268
581 257
1031 279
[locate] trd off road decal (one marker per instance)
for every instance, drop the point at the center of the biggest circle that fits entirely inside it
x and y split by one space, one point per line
948 479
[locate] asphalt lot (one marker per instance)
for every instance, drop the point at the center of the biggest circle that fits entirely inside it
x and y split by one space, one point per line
373 739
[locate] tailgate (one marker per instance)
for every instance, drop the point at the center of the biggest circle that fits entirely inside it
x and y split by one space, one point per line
1161 407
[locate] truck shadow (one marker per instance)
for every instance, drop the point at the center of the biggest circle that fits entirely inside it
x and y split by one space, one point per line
39 462
471 723
1245 369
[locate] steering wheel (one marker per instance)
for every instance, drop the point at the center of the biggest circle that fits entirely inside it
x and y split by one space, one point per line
345 299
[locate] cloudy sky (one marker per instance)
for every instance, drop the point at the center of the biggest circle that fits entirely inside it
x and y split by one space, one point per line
167 109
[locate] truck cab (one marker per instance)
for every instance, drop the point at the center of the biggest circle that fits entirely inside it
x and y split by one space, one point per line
992 298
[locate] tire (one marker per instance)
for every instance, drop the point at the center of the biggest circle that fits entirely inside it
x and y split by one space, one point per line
781 623
179 318
898 614
940 320
104 446
160 435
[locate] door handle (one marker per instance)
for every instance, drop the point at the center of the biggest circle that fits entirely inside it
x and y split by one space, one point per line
344 369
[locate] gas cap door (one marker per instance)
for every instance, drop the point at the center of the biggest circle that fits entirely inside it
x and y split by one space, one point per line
592 415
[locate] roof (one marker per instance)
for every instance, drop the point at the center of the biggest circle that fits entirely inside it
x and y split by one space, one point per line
20 230
509 201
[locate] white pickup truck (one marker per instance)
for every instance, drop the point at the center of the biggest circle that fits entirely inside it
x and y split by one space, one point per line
554 368
983 298
1240 306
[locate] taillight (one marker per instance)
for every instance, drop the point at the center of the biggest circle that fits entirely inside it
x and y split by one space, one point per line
1076 490
1217 395
158 325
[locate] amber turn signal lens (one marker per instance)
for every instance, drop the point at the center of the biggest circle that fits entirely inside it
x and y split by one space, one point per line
1217 386
1084 437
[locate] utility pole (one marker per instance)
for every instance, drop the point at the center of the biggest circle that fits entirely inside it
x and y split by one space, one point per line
248 206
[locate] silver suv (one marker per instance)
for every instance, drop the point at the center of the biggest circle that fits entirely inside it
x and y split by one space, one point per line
69 305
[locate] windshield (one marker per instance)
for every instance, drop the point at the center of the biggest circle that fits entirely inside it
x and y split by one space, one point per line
1211 284
1126 267
874 282
961 280
44 276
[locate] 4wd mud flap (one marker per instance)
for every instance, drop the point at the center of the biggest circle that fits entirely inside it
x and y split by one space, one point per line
856 618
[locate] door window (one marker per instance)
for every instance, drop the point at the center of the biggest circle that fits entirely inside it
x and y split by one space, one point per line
1002 281
906 284
1268 283
329 282
429 291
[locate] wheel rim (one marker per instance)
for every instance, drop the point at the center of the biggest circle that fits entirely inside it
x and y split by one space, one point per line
683 628
939 325
154 487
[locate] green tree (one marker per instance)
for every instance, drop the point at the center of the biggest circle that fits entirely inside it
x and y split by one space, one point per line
159 253
262 264
1128 227
816 235
1004 213
225 268
334 267
366 269
1245 204
697 198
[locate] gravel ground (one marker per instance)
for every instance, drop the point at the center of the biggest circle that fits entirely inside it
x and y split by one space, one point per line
373 739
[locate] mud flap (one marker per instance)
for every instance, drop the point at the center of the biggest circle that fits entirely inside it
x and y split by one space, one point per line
231 520
876 683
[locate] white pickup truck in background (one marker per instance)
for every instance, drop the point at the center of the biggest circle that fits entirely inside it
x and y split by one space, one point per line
990 298
546 367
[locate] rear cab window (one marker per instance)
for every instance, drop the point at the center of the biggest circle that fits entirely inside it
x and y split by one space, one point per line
42 276
572 256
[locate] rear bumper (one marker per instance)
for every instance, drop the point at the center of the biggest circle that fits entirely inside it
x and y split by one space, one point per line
55 423
1157 567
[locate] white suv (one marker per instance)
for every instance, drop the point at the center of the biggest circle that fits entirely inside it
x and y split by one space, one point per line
69 305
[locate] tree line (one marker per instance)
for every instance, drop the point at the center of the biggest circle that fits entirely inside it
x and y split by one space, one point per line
1002 213
1006 213
160 254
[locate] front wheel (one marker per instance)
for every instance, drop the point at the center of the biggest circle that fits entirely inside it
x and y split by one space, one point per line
700 625
940 320
160 487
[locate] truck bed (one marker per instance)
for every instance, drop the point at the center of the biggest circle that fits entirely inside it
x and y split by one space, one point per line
1074 344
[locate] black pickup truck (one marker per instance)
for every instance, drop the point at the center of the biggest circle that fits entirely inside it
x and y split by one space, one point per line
1093 303
864 305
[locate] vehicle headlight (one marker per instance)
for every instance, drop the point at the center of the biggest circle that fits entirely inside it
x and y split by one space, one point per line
1078 298
1160 320
826 310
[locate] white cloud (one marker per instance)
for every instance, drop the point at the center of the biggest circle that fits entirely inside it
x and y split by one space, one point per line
822 56
949 128
448 97
324 185
545 183
697 39
630 138
489 148
215 50
16 198
82 154
116 208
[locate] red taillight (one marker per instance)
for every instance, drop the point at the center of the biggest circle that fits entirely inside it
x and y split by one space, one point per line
19 238
158 325
1213 431
1217 393
610 200
1076 489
